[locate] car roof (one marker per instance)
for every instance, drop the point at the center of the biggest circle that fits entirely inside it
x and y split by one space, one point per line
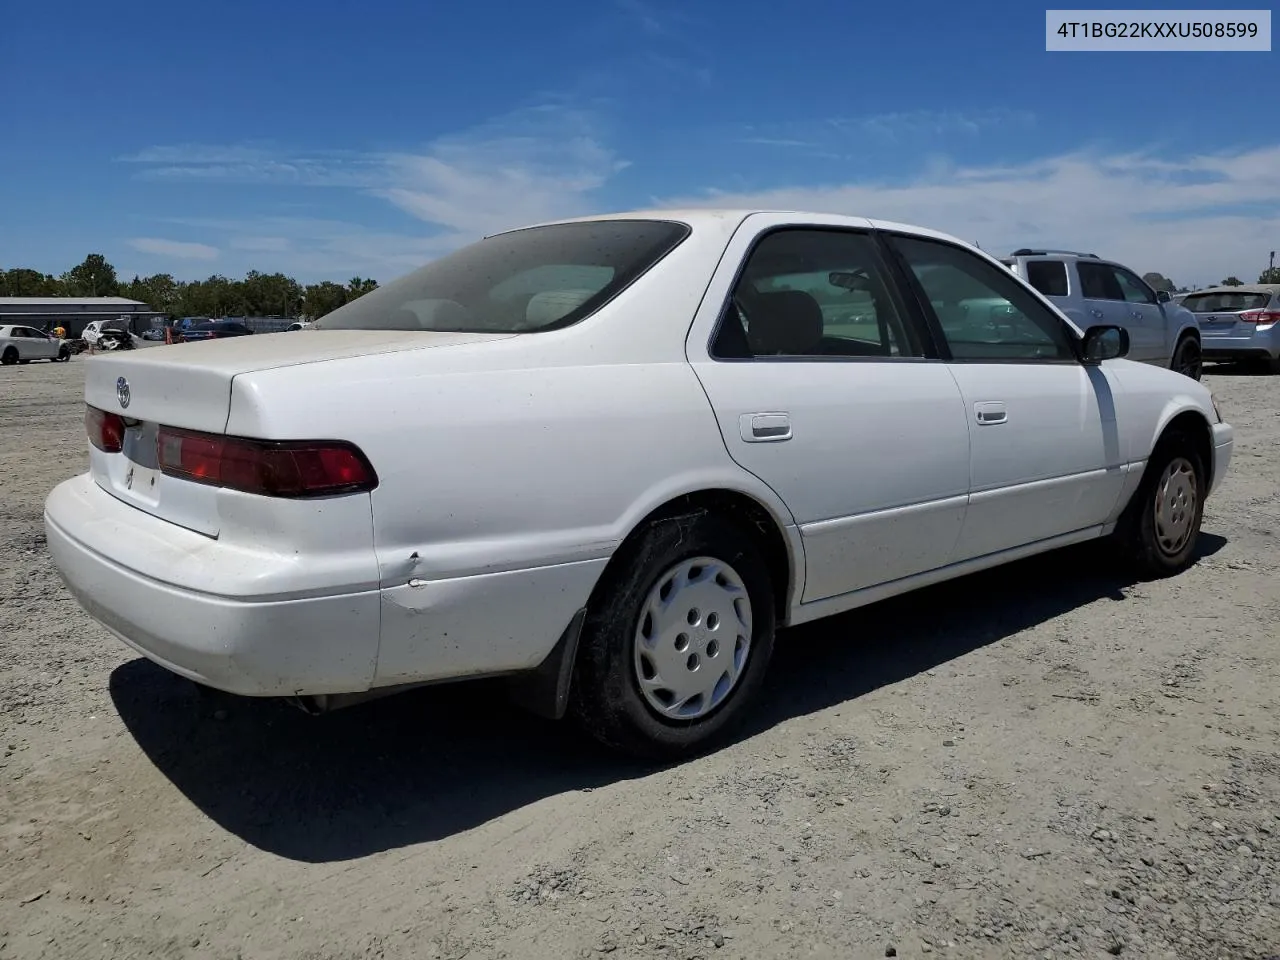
1243 288
718 216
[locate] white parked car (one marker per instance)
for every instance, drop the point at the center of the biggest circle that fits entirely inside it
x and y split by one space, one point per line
608 458
113 335
20 344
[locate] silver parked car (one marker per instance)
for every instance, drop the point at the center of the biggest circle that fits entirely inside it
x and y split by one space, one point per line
1239 323
1091 291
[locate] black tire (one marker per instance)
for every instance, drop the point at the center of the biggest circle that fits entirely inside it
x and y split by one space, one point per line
9 357
606 698
1143 528
1187 359
64 355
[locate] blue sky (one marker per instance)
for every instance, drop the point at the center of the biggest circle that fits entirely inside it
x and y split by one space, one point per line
330 139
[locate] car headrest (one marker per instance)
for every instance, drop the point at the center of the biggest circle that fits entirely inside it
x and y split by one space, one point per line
550 305
786 322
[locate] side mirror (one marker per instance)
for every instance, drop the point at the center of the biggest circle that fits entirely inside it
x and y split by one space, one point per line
1163 296
1105 342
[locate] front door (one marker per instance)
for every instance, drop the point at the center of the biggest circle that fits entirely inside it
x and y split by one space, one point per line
1147 338
1046 458
819 381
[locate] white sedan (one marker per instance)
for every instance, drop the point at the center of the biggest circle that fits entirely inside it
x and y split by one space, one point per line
608 458
19 344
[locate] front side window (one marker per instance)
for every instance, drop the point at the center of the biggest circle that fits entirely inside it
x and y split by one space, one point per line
984 312
1134 290
814 293
539 278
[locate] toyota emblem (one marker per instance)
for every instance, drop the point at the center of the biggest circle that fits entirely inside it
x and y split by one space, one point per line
122 392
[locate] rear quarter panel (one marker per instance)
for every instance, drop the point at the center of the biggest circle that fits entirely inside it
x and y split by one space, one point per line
482 471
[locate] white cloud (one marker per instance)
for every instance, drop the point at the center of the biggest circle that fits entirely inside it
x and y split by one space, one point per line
311 249
1195 218
537 164
175 249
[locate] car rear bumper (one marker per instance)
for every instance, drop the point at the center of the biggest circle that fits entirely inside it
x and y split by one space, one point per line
253 646
1260 344
1223 444
120 563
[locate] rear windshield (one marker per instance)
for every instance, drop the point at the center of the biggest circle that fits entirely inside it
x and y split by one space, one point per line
540 278
1225 302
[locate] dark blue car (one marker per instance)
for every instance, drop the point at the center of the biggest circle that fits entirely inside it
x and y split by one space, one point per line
216 330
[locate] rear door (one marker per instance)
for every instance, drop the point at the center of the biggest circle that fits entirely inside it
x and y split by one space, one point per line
1046 458
821 379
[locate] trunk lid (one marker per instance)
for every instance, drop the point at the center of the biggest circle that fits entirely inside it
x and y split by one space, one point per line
189 386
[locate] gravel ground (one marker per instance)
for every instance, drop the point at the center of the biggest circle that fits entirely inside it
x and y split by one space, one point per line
1045 760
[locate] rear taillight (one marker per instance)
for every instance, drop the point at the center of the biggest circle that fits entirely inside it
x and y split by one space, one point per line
1260 316
295 468
106 430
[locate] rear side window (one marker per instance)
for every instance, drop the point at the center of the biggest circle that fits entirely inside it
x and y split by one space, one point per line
1098 281
814 293
1225 302
540 278
1048 276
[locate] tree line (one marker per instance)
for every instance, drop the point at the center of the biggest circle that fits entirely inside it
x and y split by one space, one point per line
257 295
1159 281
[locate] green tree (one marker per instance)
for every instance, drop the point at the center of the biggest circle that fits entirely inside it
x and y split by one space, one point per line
359 286
1232 282
24 282
1270 275
93 278
322 298
159 292
1158 281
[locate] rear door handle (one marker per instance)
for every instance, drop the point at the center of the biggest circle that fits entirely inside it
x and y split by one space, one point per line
990 412
764 427
1097 313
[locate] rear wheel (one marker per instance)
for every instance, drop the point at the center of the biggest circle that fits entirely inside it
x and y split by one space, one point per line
9 357
1187 359
1161 525
677 639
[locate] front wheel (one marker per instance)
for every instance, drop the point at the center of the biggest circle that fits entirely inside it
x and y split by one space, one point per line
1187 358
677 639
64 355
1161 525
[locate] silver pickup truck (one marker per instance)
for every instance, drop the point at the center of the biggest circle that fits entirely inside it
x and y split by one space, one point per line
1091 290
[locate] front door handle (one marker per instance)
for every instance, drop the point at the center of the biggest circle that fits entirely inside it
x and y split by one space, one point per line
764 427
1136 314
990 412
1097 313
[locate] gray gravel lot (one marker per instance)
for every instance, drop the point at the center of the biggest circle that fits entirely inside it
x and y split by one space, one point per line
1041 761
